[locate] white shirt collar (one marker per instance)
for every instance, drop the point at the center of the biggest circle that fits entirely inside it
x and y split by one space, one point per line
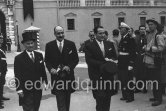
100 43
58 43
29 53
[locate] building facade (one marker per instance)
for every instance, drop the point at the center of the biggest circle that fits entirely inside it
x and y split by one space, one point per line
6 20
78 17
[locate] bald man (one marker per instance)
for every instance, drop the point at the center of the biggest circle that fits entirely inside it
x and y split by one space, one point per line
61 58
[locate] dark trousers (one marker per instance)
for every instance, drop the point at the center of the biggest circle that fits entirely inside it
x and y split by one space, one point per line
139 71
103 103
127 89
31 101
63 100
1 93
154 74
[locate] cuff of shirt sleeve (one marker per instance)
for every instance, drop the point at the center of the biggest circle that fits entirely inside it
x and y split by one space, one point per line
19 91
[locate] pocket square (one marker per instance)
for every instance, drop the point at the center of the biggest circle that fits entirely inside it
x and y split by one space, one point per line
70 52
41 61
110 49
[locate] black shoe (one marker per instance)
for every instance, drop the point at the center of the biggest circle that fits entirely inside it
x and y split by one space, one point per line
129 100
123 99
1 107
5 98
156 103
152 99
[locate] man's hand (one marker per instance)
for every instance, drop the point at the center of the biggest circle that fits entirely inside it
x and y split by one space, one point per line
21 94
66 68
130 68
53 71
115 61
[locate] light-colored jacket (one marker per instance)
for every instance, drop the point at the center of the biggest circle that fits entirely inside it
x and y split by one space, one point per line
151 48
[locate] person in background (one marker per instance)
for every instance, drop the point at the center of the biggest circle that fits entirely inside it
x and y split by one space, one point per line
8 43
126 58
106 36
116 39
91 38
139 69
155 44
131 32
163 67
3 70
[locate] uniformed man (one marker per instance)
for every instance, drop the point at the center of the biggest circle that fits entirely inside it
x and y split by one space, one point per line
3 70
126 58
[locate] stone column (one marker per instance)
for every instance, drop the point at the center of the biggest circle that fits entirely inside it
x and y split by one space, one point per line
151 2
131 2
107 2
82 2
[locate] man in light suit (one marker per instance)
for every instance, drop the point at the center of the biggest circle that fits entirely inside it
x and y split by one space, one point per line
30 73
97 53
61 58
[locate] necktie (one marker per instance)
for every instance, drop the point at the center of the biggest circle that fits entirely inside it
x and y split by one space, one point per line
60 47
102 48
32 57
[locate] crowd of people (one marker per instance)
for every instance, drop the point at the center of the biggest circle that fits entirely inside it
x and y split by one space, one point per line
141 57
128 54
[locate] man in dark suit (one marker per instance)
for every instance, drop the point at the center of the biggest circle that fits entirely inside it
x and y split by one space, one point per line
97 54
61 58
141 42
91 38
30 73
3 70
126 58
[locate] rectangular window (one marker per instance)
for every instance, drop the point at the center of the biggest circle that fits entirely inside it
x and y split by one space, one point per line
97 22
70 24
143 21
163 20
120 19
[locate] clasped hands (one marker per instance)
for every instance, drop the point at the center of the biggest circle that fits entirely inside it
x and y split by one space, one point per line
116 61
55 71
111 60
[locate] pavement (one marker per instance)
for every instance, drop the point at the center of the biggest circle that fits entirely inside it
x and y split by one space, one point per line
81 100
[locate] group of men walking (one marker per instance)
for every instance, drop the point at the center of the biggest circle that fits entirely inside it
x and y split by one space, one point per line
105 60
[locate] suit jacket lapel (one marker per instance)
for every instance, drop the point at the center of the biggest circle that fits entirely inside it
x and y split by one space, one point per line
98 48
56 47
64 46
27 58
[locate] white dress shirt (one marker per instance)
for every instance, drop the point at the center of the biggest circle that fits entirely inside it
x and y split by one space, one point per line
29 54
58 43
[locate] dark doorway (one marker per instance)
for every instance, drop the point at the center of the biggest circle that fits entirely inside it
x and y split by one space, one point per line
3 29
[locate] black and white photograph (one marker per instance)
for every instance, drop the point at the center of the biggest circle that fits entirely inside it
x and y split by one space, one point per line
82 55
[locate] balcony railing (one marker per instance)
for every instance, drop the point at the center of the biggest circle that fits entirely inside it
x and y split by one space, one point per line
69 3
119 3
100 3
141 3
95 2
